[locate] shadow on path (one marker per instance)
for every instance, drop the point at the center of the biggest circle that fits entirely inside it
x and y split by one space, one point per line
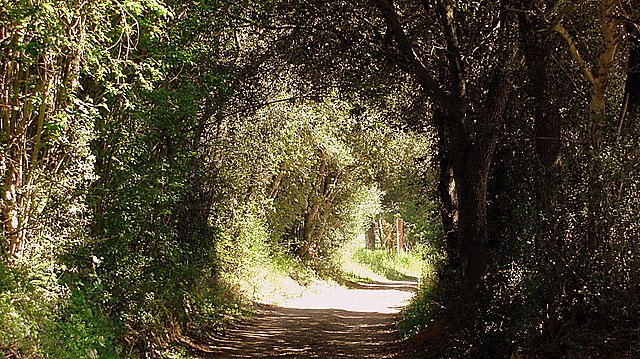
337 323
406 285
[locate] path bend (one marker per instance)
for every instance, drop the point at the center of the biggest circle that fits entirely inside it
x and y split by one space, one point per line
335 322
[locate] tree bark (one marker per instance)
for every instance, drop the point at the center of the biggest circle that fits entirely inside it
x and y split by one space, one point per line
30 162
448 200
472 159
473 220
316 199
371 236
537 49
631 105
466 151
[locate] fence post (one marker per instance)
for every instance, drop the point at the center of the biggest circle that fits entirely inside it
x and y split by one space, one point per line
399 234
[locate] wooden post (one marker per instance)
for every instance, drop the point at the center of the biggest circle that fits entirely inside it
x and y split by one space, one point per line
380 231
399 234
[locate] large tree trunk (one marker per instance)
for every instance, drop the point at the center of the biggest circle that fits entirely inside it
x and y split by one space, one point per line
471 160
466 146
537 49
473 230
307 230
631 105
448 199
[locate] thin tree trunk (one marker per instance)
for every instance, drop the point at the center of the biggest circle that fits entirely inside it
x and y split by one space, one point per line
399 235
275 185
371 236
28 159
314 209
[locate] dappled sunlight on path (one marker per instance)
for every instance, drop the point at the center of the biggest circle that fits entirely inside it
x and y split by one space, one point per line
330 322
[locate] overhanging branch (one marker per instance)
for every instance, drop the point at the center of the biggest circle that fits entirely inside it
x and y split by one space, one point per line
428 83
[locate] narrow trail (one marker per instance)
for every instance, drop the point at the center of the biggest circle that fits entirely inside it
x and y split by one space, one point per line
335 322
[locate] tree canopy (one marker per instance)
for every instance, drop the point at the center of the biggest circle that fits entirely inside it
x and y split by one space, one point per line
150 148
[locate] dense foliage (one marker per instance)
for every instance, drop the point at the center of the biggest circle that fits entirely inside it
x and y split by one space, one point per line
152 151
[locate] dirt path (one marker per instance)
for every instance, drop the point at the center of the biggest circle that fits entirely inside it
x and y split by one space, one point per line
334 322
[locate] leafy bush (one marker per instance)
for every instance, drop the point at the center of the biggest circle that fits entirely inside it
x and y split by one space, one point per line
422 309
39 316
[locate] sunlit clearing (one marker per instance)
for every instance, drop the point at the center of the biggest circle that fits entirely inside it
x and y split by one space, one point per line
379 265
379 297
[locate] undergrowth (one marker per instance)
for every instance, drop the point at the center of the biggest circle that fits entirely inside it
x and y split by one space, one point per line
256 268
40 316
55 310
422 308
391 265
360 264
